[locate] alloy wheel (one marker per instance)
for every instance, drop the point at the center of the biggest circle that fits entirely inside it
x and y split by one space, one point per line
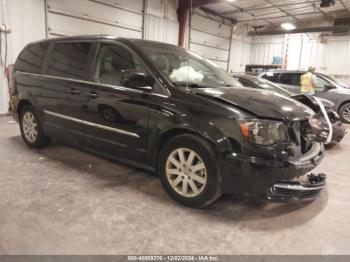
186 172
30 127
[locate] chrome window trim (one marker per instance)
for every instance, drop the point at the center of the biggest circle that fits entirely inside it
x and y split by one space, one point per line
108 128
120 88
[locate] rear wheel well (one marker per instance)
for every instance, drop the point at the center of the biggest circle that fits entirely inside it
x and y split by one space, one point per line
21 104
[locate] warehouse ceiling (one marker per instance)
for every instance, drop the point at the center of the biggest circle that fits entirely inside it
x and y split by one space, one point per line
267 13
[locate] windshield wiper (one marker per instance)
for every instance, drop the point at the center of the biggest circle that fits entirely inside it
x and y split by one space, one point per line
234 86
195 85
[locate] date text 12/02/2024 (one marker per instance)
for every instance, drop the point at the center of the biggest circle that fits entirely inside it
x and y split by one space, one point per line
173 258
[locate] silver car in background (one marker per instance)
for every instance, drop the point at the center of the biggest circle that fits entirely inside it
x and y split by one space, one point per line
327 87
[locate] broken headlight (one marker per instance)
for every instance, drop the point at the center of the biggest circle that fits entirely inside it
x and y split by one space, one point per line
264 132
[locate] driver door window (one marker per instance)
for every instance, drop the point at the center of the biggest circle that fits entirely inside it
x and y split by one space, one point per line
112 60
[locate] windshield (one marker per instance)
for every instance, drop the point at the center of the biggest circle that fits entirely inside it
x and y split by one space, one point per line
341 84
265 84
184 68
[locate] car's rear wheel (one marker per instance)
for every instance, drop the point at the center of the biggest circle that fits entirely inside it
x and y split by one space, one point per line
344 113
31 128
189 171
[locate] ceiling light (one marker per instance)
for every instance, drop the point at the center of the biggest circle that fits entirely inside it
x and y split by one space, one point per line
288 26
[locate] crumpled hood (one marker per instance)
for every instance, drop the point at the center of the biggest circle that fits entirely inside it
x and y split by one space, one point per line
311 102
262 103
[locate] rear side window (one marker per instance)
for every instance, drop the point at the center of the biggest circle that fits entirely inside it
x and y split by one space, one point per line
273 77
290 79
69 60
31 58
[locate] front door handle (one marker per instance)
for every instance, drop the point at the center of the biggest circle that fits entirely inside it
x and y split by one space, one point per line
74 91
92 95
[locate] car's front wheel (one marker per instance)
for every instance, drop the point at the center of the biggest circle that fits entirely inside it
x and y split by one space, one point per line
344 113
189 171
31 128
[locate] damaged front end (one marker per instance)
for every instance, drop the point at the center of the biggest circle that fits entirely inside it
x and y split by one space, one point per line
298 189
279 172
304 152
320 128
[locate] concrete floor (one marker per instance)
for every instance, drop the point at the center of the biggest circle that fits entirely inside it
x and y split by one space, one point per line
62 201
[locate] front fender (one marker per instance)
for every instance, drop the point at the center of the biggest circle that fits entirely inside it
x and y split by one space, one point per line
219 132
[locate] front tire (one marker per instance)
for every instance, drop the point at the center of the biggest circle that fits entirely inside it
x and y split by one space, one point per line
344 113
31 128
189 171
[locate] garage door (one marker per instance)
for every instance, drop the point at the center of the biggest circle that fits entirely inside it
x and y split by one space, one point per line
122 18
210 39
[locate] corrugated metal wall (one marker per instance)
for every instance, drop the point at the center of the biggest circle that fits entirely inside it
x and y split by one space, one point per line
265 48
161 29
66 17
240 55
207 37
123 18
161 23
115 17
23 31
337 57
313 53
210 39
330 55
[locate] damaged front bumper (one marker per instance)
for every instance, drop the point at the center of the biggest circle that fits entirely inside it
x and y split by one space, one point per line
339 131
261 176
320 128
320 132
296 190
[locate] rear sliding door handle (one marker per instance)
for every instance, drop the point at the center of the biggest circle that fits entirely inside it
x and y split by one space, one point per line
92 95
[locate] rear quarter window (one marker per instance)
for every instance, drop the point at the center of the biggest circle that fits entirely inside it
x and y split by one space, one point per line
69 60
31 58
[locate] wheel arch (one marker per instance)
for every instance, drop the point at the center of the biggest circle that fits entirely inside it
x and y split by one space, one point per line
173 132
344 118
21 104
342 104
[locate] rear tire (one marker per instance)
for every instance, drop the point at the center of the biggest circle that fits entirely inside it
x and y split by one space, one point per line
344 113
189 171
31 128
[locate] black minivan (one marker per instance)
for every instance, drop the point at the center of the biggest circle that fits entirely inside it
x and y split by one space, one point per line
166 109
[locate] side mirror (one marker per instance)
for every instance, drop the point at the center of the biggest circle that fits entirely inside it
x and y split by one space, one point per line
329 87
134 79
